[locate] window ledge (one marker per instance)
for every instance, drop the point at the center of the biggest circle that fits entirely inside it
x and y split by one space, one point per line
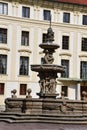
26 76
72 79
65 52
4 48
83 54
24 50
3 76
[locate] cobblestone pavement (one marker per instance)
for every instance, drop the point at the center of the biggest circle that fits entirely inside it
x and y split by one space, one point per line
40 126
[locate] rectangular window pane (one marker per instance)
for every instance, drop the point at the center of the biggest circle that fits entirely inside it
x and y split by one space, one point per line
84 44
83 69
3 64
23 88
65 42
3 8
44 38
65 90
66 17
84 19
47 14
1 88
24 65
66 64
26 12
25 38
3 35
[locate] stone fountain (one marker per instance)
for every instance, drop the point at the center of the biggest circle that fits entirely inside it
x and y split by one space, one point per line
47 71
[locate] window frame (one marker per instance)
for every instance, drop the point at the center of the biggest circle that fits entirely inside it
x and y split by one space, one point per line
2 88
24 35
3 8
46 15
23 87
24 66
84 20
44 37
84 44
24 12
83 69
65 42
65 90
66 17
3 36
3 64
65 63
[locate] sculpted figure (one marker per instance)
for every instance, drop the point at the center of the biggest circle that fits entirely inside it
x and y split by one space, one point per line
42 86
14 91
29 93
48 58
47 84
50 35
52 85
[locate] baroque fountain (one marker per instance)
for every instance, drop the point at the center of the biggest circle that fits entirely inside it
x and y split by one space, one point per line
46 108
47 71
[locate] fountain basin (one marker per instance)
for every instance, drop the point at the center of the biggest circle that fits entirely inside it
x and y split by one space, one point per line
48 68
48 46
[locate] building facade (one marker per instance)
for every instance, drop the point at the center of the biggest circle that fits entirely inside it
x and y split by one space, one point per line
23 26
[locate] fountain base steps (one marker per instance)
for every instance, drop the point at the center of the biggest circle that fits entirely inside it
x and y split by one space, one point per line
43 118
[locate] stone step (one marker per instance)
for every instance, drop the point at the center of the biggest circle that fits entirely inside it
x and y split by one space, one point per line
73 119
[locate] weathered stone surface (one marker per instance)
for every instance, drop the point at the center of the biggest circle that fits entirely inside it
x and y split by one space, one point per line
51 106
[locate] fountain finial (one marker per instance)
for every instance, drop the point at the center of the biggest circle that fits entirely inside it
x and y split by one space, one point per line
50 20
50 33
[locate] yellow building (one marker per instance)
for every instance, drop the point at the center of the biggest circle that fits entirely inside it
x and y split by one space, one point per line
23 25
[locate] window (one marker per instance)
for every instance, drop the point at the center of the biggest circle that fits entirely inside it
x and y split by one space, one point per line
46 15
65 42
25 38
26 12
3 64
66 64
3 35
65 90
23 88
3 8
84 20
24 65
66 17
83 69
1 88
44 38
84 44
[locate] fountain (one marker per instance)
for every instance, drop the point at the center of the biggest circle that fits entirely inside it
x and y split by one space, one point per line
47 71
48 107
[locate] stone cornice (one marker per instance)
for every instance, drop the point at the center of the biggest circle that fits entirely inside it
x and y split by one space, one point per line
43 23
52 4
